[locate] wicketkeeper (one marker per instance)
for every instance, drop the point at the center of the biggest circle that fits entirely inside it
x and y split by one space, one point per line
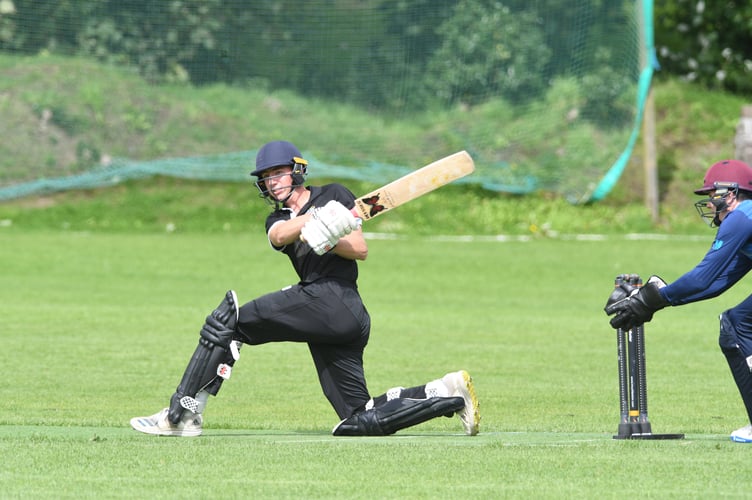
728 206
314 227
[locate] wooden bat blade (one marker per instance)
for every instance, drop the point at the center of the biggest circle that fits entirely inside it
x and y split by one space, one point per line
415 184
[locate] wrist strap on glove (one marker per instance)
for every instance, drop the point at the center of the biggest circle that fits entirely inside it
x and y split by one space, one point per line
651 294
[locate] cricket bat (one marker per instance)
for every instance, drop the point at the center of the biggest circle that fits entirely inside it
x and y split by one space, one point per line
415 184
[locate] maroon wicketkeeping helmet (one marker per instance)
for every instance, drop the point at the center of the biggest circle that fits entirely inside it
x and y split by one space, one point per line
722 178
725 173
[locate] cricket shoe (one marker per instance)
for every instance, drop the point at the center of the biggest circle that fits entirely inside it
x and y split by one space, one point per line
743 435
158 424
461 384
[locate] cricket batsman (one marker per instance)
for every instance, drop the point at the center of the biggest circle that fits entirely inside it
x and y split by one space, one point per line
314 227
727 205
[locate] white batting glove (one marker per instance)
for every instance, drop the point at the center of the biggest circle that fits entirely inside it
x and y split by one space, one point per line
317 235
337 219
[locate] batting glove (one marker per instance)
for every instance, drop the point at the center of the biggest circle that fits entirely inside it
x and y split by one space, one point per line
639 306
338 220
318 237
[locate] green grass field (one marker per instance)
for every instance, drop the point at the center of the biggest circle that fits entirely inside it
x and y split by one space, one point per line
98 327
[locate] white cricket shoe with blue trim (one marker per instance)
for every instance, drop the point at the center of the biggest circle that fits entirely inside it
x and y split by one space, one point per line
190 425
743 435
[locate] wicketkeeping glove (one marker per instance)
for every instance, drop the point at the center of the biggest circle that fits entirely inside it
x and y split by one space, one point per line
638 307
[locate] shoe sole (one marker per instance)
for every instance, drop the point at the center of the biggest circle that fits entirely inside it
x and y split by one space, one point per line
471 400
740 440
147 426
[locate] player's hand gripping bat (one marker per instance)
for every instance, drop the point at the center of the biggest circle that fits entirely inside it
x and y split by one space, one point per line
394 194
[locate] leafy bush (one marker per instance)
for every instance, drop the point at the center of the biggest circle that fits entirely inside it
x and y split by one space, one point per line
706 42
485 46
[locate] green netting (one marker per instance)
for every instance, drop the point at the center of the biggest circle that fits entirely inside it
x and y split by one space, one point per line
555 88
230 167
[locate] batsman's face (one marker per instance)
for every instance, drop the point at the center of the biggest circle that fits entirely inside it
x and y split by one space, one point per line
278 181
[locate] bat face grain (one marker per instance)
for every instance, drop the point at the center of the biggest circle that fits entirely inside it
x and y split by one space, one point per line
415 184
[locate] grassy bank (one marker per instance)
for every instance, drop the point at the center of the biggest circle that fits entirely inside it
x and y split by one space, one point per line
100 111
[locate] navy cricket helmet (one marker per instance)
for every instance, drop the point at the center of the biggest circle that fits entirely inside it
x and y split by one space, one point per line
279 154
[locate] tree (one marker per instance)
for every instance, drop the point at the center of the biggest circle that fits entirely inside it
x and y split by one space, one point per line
706 42
486 46
160 38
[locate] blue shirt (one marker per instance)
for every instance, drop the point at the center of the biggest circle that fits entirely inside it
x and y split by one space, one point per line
727 261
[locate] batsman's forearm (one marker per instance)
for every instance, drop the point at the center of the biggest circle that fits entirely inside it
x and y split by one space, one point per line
287 232
353 246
